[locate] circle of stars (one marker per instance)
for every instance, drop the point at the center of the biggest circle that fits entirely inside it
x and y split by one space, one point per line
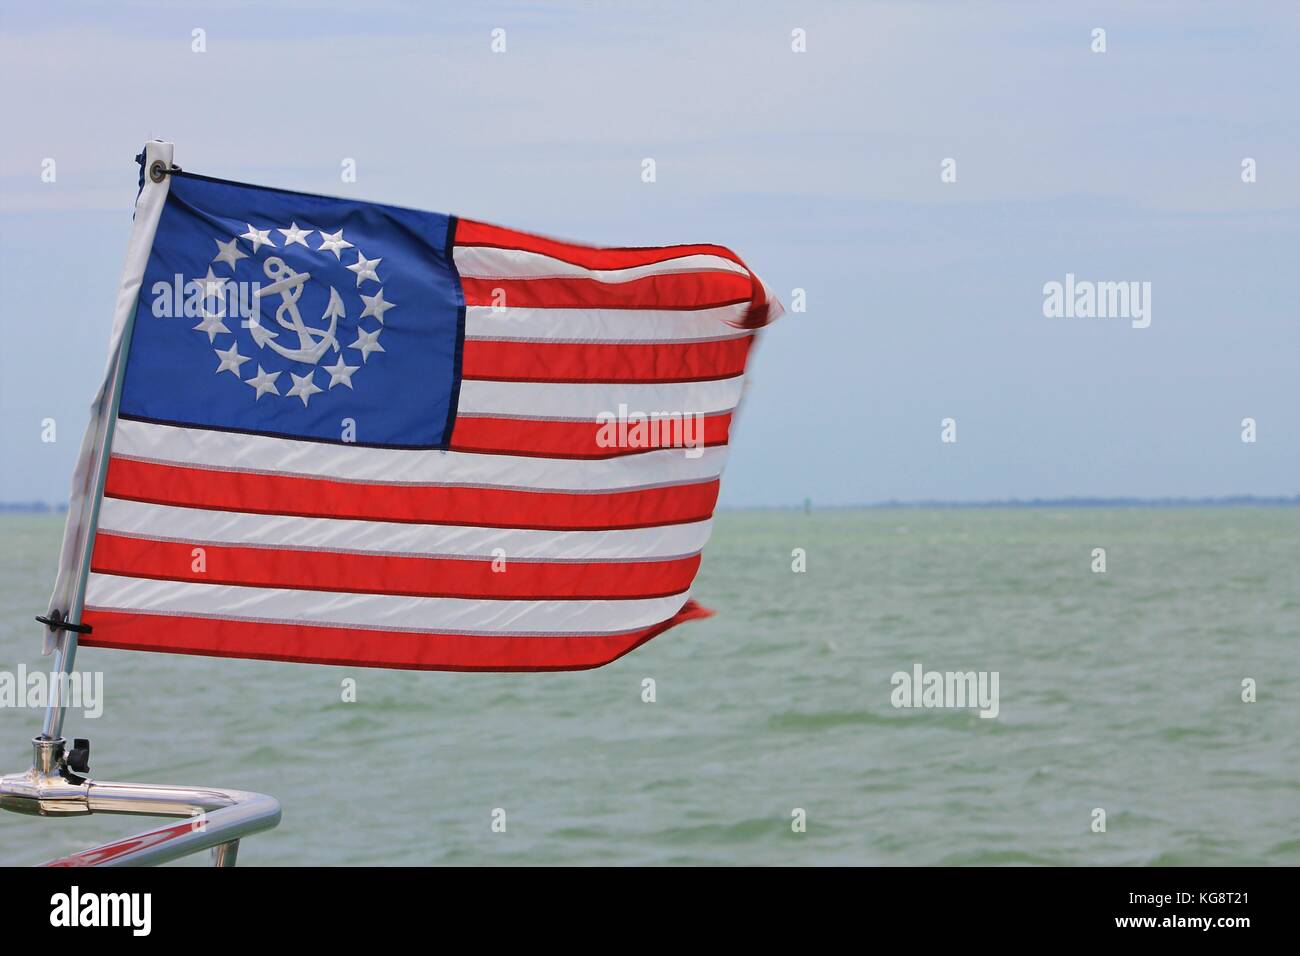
213 318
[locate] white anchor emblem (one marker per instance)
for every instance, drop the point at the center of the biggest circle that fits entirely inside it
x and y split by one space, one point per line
312 343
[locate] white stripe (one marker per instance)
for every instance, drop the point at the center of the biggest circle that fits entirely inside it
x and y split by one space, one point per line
378 611
202 526
483 262
231 451
583 402
604 325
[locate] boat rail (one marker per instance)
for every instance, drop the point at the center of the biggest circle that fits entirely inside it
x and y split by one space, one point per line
216 819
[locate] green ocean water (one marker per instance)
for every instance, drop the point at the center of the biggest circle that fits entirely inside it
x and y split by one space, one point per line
1119 691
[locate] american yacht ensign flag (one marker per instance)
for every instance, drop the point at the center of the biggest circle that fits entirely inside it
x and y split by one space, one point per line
342 432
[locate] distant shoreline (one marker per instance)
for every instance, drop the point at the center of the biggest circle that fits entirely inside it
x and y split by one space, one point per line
1232 501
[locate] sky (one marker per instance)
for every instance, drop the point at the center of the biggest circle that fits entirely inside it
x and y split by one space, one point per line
823 169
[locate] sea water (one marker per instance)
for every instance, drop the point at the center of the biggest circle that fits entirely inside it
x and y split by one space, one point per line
771 737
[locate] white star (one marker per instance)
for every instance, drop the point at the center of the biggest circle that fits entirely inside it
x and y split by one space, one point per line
210 285
365 268
333 242
211 324
367 342
340 373
375 304
295 235
303 387
229 252
258 237
264 382
230 360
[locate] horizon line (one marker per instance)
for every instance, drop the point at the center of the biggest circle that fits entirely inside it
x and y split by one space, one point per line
1071 501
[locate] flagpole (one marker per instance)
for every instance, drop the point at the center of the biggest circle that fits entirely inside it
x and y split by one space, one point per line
65 650
63 623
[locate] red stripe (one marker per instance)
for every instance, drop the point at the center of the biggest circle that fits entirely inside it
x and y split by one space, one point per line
679 291
548 439
471 233
604 362
310 644
422 504
391 574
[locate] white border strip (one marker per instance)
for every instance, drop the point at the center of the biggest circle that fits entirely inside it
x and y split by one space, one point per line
87 474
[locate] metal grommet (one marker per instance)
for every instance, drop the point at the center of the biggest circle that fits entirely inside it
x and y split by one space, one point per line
157 170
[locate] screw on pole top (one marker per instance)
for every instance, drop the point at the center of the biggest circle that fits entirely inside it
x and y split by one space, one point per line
158 170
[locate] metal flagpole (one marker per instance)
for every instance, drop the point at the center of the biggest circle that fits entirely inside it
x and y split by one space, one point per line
69 621
63 622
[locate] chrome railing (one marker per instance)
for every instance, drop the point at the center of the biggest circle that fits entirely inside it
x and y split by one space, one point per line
216 819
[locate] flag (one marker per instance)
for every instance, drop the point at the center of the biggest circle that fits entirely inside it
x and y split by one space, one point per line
351 433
